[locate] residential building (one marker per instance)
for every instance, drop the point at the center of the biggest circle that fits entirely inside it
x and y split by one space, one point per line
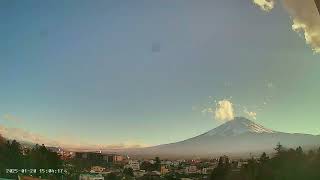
164 169
99 156
191 169
134 165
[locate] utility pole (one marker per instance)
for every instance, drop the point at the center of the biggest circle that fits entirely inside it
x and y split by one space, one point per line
318 5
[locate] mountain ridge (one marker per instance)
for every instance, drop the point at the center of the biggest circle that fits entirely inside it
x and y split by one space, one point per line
238 137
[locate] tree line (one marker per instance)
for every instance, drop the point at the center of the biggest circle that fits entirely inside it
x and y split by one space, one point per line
285 164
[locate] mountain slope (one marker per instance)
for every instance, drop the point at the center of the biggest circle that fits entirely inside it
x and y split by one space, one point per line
235 138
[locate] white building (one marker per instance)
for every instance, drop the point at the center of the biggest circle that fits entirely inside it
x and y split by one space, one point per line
91 177
241 163
134 165
152 161
191 169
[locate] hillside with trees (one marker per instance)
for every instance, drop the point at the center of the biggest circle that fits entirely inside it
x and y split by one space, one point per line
286 164
14 156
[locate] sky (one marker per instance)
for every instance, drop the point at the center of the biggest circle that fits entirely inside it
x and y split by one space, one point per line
146 72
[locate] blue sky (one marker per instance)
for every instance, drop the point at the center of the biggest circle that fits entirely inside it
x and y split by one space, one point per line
89 70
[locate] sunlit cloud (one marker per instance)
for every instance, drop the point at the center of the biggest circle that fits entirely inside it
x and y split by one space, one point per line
250 114
27 136
305 18
266 5
220 110
224 111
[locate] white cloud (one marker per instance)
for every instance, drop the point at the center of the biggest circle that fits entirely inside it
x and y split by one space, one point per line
266 5
251 114
305 18
224 111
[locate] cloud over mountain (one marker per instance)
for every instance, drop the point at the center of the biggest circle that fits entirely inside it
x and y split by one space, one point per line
224 111
251 114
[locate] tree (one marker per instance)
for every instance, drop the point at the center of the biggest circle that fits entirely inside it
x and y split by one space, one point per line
41 157
13 154
221 172
263 158
128 172
251 170
147 166
2 140
10 156
3 157
299 150
279 149
157 163
287 164
112 176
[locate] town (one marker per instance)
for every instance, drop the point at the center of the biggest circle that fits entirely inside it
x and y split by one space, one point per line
96 165
40 162
100 166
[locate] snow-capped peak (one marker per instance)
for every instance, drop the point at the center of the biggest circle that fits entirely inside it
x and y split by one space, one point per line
238 126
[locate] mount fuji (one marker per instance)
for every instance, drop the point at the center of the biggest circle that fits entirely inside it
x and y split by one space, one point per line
236 138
